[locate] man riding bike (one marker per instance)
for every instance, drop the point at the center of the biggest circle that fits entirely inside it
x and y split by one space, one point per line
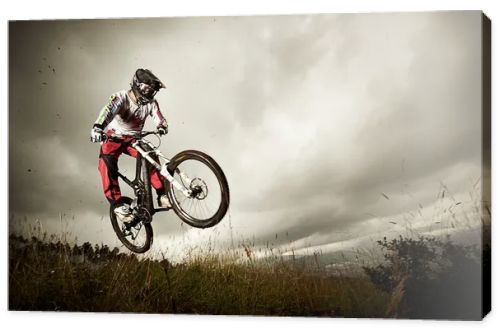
124 115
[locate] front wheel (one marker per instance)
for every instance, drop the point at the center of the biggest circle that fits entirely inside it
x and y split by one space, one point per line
137 237
209 191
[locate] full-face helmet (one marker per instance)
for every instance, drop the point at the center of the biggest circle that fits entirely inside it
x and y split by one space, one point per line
145 85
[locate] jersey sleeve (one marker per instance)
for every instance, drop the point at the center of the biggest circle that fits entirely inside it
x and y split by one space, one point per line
158 117
109 111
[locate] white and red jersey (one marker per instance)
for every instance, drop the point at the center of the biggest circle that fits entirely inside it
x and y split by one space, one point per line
124 116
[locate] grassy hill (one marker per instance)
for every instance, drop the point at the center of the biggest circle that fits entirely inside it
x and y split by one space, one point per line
418 278
56 276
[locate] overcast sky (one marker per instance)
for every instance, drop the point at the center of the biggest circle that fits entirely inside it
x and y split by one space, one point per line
333 130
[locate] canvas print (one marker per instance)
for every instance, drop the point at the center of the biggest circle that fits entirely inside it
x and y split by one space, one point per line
327 165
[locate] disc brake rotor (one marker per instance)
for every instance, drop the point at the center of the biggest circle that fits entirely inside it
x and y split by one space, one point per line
198 188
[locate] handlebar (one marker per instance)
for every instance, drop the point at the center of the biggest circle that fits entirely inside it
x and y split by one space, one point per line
138 135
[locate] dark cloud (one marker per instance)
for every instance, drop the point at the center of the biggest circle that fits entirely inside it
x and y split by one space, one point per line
311 117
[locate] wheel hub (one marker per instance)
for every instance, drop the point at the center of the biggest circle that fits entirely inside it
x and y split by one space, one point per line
199 189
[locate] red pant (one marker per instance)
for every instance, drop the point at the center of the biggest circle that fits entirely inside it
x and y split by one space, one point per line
108 167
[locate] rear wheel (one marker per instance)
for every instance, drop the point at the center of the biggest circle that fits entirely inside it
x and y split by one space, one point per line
209 199
138 236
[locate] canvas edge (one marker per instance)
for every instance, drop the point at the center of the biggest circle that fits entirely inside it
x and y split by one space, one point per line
486 164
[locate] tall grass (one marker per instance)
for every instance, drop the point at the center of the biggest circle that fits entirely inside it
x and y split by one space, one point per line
55 276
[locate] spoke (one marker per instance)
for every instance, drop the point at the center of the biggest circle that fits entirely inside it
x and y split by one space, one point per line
201 213
182 202
203 210
195 208
208 202
206 210
198 209
190 205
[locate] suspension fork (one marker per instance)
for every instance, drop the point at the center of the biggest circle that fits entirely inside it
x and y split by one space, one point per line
163 169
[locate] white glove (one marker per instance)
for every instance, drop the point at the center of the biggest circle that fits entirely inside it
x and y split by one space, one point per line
96 135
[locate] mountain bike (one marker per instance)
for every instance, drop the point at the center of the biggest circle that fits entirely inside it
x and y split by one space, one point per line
195 186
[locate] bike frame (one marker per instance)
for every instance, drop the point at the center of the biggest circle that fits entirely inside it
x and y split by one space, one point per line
144 162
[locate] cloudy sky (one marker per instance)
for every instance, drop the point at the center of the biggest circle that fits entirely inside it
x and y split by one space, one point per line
333 130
